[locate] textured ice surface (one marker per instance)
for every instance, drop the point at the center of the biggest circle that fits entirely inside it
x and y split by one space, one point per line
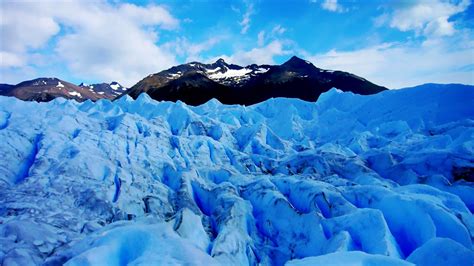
384 179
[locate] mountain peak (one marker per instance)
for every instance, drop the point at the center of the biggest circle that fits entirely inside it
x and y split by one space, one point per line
294 60
220 61
196 83
45 79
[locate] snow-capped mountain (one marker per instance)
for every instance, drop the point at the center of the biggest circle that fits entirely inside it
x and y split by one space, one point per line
47 89
229 74
196 83
109 90
382 179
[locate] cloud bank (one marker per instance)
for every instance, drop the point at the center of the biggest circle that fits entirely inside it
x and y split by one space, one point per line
98 40
106 41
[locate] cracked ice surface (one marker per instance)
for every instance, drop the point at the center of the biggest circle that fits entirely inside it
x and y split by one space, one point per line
370 180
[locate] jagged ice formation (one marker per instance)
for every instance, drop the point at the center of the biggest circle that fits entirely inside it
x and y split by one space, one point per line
384 179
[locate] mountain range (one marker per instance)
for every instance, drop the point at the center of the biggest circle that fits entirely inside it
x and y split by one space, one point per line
196 83
47 89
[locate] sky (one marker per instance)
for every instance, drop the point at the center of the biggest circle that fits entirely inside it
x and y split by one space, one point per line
398 43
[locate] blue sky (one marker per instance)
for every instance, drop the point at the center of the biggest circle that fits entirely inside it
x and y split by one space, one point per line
392 43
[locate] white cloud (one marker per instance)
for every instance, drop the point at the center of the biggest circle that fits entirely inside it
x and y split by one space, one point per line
192 51
149 15
260 55
398 65
274 34
269 45
245 22
8 59
446 55
278 29
381 20
261 38
23 28
101 41
426 17
332 5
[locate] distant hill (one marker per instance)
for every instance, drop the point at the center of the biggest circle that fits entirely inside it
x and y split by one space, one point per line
47 89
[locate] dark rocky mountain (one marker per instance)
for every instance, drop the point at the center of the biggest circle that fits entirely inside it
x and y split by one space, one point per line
5 88
47 89
196 83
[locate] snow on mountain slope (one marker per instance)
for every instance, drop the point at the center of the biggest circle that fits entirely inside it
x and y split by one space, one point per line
230 73
196 83
109 90
46 89
384 179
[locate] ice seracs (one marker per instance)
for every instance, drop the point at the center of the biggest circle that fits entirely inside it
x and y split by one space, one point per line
369 180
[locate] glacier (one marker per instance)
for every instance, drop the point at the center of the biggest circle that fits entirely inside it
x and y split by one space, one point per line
384 179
